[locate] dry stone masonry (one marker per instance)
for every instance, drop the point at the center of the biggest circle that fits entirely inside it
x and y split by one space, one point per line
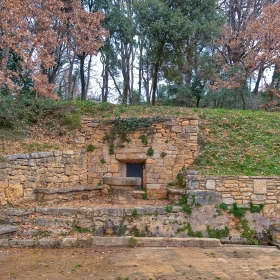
21 174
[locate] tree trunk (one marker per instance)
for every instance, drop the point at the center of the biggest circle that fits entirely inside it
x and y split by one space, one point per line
88 74
154 83
82 76
125 53
140 71
260 74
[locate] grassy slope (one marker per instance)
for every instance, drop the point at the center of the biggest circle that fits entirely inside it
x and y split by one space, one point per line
231 142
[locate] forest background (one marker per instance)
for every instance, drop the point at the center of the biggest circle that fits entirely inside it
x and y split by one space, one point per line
196 53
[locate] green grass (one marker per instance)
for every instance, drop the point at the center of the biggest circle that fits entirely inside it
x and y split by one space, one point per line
39 147
239 143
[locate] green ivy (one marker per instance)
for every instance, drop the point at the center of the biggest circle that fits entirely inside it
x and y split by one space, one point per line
144 139
239 212
122 127
218 233
191 232
249 234
150 152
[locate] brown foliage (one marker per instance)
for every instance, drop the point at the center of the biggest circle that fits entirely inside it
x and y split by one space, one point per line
33 28
250 41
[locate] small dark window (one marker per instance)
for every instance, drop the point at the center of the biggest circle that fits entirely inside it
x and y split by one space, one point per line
134 170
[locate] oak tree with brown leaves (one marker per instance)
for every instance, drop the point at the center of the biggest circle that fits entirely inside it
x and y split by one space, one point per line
35 29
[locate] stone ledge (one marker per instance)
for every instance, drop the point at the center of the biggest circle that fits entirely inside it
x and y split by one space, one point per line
67 190
93 241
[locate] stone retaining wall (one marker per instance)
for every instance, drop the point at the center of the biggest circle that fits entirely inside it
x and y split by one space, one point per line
61 222
20 174
241 190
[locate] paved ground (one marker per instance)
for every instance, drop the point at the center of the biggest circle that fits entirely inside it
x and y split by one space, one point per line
141 263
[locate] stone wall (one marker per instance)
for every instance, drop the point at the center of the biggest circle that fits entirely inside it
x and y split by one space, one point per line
241 190
20 174
173 140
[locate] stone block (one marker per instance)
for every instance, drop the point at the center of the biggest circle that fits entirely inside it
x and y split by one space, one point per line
14 193
185 123
228 200
3 174
114 168
41 155
210 185
48 243
260 186
193 122
68 169
177 129
153 186
3 199
259 197
22 243
7 229
69 242
68 152
275 233
190 129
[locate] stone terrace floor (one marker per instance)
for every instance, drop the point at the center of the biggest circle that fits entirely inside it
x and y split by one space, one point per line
226 262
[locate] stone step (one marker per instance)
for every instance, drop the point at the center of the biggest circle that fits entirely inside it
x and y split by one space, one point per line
7 230
94 241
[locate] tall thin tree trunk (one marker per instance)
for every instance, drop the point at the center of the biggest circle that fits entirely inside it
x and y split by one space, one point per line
82 76
154 83
260 75
88 73
140 71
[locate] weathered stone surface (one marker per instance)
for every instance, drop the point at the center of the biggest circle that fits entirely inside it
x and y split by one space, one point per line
31 232
7 229
260 186
122 181
69 242
18 156
48 243
205 197
228 200
210 185
20 212
41 155
22 243
14 193
275 232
